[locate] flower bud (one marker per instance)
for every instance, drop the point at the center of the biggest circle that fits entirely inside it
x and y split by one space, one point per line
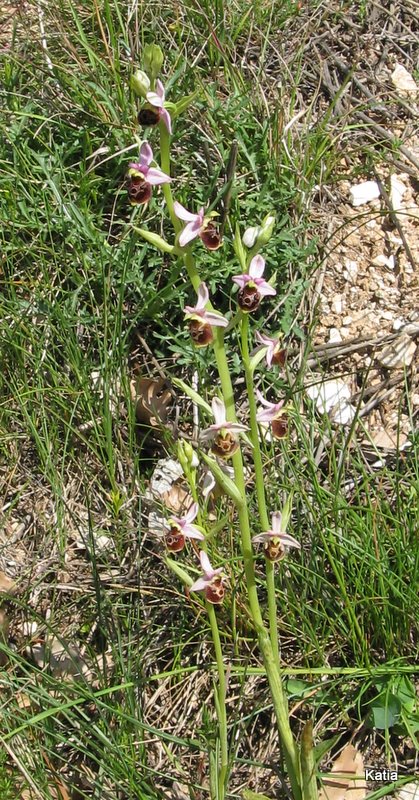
186 456
267 229
153 60
250 235
140 83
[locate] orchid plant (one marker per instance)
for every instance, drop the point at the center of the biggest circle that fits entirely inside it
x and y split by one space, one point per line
225 459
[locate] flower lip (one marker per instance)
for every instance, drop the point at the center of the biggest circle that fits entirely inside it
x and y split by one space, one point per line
210 577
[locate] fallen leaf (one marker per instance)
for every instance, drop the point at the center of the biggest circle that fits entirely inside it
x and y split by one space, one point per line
343 786
6 584
410 791
399 353
152 399
388 441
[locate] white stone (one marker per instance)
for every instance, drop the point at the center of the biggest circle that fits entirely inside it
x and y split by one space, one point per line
404 82
363 193
332 396
29 628
397 190
410 791
337 304
345 333
384 261
334 335
387 315
347 320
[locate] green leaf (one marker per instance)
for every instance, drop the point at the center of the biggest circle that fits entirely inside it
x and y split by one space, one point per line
322 748
183 104
181 573
385 710
249 795
155 239
257 358
239 249
297 688
227 484
195 397
405 691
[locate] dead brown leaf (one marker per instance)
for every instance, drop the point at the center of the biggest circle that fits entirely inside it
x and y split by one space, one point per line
343 786
152 400
178 499
6 584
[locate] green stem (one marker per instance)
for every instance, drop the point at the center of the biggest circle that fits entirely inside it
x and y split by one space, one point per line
260 484
221 704
271 663
165 166
221 688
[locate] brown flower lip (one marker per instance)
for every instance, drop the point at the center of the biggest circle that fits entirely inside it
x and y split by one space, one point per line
210 237
215 591
201 332
279 427
279 358
249 298
175 541
139 191
274 550
148 117
225 444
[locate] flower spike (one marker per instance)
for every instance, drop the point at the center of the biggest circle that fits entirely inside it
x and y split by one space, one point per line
252 286
202 321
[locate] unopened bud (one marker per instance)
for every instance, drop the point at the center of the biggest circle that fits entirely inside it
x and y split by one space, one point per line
267 229
186 456
140 83
153 60
250 235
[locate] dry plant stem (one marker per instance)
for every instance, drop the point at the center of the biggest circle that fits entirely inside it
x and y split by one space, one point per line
260 486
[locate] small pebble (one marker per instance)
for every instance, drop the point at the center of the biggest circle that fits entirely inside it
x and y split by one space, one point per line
334 335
